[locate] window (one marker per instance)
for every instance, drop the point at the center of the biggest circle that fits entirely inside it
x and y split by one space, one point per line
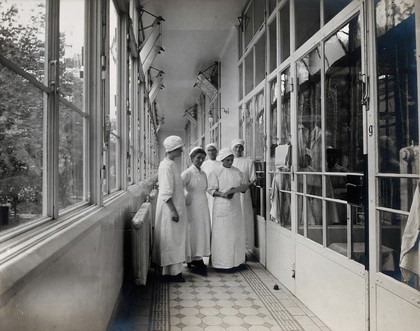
307 20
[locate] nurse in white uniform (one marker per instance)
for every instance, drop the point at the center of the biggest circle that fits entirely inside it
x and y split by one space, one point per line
171 239
195 183
228 232
246 166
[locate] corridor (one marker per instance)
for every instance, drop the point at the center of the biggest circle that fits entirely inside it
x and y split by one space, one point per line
245 300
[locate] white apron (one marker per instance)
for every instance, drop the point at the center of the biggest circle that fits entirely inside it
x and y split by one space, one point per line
246 166
208 166
195 183
228 232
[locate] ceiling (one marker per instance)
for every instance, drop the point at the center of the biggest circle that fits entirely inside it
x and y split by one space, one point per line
194 35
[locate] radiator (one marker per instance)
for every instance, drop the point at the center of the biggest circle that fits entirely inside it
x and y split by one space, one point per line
141 226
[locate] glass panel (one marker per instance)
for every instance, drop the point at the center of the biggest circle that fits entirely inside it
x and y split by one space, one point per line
259 128
344 119
22 34
249 72
242 121
284 32
259 11
397 88
337 236
240 45
314 219
271 5
248 21
114 144
70 157
113 170
285 134
333 7
309 112
307 14
249 126
241 82
396 193
71 58
260 60
280 200
390 248
273 45
273 123
21 150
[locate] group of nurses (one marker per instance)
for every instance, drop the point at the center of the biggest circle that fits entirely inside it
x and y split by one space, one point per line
199 212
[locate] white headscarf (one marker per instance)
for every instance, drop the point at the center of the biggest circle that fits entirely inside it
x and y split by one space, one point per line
224 153
237 142
194 149
211 145
171 143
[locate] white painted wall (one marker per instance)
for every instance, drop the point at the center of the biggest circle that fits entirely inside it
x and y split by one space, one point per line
71 280
334 293
229 89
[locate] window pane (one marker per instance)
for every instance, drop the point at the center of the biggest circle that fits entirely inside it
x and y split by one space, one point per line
397 88
333 7
271 5
273 45
249 72
259 128
259 11
113 169
344 118
21 150
284 32
260 60
241 82
70 163
307 20
280 211
72 25
309 112
249 124
285 134
22 34
273 123
248 21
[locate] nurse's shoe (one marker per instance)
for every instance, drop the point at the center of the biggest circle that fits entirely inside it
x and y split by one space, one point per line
178 278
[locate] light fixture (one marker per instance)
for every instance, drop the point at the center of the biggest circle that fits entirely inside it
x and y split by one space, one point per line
225 110
211 118
204 83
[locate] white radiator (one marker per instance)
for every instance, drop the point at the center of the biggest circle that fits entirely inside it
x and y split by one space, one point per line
141 229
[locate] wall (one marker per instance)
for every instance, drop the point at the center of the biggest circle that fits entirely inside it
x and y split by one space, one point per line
71 280
229 89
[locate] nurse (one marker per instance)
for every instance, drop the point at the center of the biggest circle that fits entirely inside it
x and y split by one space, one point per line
195 183
246 166
171 239
228 232
208 166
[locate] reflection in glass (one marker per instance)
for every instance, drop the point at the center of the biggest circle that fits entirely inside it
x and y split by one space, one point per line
309 112
344 119
259 128
249 123
314 219
285 100
398 132
273 123
280 211
70 157
248 24
21 150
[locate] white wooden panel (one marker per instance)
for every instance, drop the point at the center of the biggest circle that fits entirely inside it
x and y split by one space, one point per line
334 293
395 313
280 255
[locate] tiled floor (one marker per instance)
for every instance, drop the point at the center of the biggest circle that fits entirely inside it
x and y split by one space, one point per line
244 300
